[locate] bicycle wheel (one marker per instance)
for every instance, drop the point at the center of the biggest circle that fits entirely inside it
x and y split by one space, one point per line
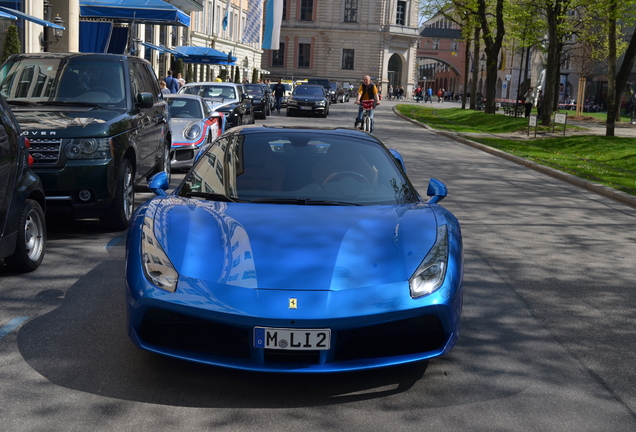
366 123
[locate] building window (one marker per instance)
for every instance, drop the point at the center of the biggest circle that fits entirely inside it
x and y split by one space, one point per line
435 44
401 13
351 11
304 54
278 56
285 10
454 46
347 58
306 10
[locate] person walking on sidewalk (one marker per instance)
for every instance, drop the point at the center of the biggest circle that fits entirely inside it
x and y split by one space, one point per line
529 101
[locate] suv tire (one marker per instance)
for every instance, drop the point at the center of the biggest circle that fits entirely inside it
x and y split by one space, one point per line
117 217
31 243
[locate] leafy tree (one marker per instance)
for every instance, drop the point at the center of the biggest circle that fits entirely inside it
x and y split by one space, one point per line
237 75
11 43
254 76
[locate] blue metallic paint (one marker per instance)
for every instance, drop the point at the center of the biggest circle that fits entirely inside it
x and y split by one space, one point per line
318 262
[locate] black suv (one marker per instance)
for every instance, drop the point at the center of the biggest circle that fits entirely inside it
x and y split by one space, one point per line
98 126
22 225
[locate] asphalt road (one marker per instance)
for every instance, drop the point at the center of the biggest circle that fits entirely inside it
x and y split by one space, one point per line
548 336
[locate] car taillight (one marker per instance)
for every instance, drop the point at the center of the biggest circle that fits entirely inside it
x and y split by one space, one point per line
27 144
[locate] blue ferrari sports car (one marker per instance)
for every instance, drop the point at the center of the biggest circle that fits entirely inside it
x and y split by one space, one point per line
295 250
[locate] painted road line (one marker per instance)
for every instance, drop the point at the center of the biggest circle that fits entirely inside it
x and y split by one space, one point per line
12 325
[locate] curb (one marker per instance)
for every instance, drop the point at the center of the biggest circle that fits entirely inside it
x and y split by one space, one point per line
605 191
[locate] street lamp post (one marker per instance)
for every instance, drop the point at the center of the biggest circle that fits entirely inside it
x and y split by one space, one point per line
57 32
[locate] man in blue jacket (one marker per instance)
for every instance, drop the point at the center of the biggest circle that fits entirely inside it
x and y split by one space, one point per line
172 83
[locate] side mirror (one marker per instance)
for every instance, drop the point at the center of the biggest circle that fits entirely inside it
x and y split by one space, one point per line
398 157
244 96
436 190
145 100
159 184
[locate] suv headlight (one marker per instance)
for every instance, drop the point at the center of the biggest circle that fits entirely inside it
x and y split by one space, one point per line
192 132
430 274
88 148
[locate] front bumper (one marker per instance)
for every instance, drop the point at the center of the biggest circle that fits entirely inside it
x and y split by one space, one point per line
217 329
62 187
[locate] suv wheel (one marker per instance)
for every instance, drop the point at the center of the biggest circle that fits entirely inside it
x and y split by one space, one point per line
117 217
29 249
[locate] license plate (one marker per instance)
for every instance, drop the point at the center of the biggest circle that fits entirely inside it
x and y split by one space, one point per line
292 339
305 107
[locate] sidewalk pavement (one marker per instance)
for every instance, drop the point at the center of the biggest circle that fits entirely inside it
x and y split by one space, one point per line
622 129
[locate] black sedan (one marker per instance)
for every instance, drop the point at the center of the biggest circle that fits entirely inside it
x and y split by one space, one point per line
310 99
261 105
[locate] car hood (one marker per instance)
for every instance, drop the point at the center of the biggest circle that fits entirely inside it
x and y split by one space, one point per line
51 121
294 247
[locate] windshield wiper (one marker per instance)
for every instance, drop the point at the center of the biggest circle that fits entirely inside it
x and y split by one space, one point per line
209 196
69 103
19 102
302 201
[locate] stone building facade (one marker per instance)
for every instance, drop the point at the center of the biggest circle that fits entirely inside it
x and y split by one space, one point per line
343 40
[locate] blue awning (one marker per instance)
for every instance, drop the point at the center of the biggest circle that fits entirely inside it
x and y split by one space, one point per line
193 54
139 11
161 48
27 17
7 16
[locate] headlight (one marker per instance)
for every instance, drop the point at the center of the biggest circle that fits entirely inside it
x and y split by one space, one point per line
320 103
292 102
430 274
157 267
87 148
192 132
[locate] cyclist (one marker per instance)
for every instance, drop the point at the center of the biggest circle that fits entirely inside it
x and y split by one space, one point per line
366 91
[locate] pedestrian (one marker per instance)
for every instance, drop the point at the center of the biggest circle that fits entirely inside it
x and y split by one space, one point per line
528 101
164 88
429 94
418 94
400 92
218 79
539 103
440 95
180 79
172 83
279 92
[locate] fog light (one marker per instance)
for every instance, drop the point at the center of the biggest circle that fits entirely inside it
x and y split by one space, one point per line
85 195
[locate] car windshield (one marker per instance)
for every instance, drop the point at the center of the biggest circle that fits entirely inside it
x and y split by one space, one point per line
184 108
299 167
308 91
210 91
68 80
255 90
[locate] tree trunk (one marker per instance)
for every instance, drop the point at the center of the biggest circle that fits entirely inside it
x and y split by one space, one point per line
611 70
466 71
553 63
476 49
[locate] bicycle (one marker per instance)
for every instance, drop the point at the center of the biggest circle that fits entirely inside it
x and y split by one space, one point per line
367 106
